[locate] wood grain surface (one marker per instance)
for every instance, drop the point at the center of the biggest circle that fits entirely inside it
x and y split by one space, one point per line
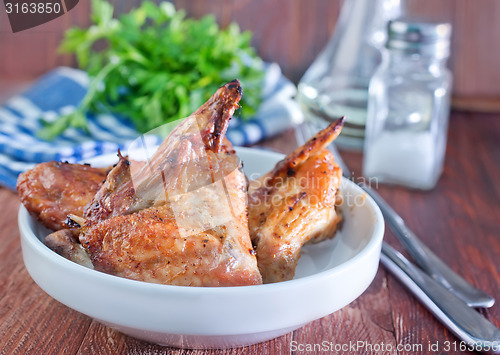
289 32
459 220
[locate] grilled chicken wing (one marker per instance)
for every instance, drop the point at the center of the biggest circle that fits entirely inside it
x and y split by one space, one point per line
65 243
198 239
53 190
178 165
180 219
295 204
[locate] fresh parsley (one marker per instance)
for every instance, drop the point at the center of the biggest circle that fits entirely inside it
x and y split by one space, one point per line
154 65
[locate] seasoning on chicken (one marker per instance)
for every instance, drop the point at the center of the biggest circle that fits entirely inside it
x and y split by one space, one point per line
176 166
295 203
180 219
53 190
65 243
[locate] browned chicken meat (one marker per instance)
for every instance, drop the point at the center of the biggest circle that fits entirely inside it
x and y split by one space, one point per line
199 238
182 217
51 191
294 204
179 219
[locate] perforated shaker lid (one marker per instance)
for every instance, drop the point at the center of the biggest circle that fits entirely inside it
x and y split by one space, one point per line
412 36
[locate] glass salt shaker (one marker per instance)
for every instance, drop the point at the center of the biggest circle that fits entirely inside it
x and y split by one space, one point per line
336 83
408 106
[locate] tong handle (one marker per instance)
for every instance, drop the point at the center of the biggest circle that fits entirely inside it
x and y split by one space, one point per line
429 261
477 333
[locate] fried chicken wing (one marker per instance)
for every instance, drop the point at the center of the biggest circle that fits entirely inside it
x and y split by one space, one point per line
53 190
177 165
181 218
192 241
65 243
295 204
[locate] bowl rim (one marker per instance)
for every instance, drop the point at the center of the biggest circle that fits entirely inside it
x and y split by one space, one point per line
27 233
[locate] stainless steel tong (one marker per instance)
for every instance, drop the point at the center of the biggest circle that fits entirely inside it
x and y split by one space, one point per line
445 293
476 332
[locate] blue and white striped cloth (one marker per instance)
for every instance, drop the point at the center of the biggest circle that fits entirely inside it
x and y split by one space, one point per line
62 89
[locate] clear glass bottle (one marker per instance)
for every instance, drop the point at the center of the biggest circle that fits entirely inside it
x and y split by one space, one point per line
409 104
336 84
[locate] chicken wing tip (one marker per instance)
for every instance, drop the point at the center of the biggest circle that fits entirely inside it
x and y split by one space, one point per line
315 144
235 85
221 107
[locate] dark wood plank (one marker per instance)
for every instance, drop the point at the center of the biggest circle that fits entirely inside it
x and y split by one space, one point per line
365 325
291 33
475 75
101 339
31 53
30 320
9 88
459 220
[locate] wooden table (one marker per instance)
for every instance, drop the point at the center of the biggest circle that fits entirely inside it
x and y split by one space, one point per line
459 220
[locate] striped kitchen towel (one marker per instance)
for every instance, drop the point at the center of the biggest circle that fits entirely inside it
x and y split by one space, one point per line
60 91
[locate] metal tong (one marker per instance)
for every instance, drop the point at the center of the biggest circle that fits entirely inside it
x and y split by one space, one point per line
476 332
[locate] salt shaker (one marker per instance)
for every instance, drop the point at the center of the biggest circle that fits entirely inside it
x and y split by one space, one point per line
408 106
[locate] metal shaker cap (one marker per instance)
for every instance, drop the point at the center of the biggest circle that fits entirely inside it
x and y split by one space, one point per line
427 38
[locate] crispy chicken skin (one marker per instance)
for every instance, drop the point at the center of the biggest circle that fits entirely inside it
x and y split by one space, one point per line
50 191
168 244
185 216
295 204
176 165
180 219
65 243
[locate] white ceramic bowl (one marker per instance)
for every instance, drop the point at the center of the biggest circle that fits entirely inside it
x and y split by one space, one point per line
329 276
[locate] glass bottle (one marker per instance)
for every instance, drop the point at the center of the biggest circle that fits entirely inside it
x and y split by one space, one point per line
409 104
336 84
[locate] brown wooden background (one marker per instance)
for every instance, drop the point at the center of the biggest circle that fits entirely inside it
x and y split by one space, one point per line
459 219
290 32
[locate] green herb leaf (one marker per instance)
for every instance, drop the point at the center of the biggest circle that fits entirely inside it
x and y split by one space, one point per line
155 66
